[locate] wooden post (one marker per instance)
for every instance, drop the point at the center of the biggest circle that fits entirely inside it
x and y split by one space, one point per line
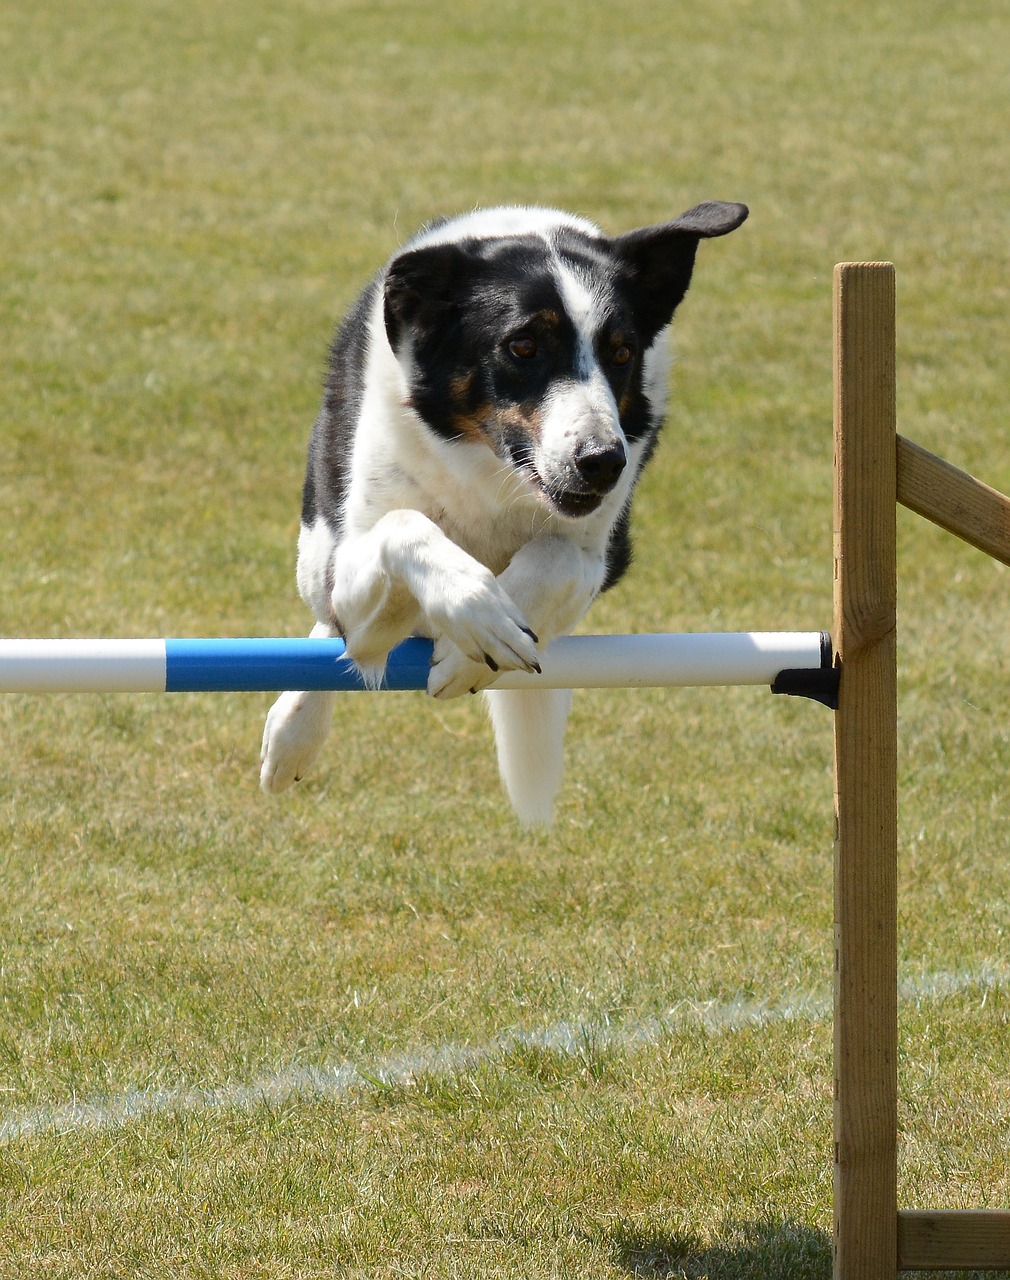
866 980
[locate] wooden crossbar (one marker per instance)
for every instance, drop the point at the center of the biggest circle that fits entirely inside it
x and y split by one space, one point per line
953 499
954 1239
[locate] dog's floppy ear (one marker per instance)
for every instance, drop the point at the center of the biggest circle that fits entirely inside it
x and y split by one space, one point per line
657 262
420 286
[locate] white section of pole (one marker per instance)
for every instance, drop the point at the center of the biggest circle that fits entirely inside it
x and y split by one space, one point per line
82 666
667 661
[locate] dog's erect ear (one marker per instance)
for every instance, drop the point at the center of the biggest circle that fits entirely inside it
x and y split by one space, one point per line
420 286
657 261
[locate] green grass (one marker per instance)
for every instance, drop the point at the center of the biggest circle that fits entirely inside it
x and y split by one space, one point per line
191 194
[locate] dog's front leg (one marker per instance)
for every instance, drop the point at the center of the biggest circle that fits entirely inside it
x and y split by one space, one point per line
552 581
404 575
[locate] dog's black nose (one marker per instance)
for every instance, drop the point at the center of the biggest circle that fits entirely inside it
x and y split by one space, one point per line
600 465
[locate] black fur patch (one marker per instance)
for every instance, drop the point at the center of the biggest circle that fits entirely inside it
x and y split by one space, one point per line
333 433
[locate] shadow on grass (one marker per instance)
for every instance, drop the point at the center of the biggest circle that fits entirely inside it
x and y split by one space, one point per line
769 1250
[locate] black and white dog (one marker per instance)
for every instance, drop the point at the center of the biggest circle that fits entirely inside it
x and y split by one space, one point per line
491 400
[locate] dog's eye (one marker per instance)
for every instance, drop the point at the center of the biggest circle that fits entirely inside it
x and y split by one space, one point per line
523 348
621 355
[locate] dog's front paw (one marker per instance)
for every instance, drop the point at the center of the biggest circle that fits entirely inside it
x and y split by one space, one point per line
479 616
294 732
453 673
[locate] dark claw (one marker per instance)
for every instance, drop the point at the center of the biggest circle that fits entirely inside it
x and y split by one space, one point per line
537 668
490 662
532 634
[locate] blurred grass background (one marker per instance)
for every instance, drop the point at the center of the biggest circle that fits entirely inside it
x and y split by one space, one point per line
191 194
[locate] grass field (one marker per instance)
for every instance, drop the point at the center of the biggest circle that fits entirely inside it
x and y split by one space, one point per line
373 1029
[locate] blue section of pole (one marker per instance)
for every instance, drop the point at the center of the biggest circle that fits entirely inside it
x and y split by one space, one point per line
249 665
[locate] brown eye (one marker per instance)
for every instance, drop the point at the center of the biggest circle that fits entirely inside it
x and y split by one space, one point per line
621 355
523 348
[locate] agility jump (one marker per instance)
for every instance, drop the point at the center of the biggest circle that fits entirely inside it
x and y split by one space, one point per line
570 662
853 670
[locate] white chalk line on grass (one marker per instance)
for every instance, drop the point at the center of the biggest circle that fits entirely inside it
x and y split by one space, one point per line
577 1039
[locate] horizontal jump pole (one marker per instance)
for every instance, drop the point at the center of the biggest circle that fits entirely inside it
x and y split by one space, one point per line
266 665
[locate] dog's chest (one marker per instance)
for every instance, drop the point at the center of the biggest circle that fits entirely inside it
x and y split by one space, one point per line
490 522
492 537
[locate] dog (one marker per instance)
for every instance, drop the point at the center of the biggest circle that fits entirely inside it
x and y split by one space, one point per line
491 400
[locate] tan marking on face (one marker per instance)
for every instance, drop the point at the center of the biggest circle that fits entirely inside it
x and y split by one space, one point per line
471 426
488 422
525 419
460 386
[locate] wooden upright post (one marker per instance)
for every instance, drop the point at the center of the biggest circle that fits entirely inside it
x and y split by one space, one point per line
866 980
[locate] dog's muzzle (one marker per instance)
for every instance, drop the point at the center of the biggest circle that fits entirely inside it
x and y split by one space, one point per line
595 469
600 465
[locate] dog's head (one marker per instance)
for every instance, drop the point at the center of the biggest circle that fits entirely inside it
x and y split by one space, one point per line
528 331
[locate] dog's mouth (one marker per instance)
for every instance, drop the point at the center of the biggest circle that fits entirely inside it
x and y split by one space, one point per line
570 503
573 502
566 502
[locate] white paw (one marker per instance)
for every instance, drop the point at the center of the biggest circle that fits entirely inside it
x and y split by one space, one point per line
294 732
453 673
477 614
